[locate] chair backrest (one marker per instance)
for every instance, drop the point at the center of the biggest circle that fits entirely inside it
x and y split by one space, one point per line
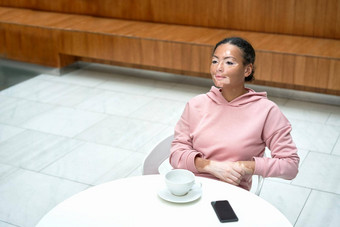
157 156
158 162
257 184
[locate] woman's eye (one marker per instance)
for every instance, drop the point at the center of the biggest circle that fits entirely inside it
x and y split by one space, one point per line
229 63
214 62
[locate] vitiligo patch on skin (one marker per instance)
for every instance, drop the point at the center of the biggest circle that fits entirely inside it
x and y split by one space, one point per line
219 81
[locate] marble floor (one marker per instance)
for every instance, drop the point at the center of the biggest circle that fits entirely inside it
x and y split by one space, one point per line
60 135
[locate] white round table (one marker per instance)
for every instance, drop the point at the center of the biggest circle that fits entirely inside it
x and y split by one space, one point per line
135 202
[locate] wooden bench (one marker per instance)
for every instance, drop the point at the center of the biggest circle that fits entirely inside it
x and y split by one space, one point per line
38 35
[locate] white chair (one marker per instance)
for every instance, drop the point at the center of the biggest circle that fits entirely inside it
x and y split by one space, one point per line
256 189
158 156
157 162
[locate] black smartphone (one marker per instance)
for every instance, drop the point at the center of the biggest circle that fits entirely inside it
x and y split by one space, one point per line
224 211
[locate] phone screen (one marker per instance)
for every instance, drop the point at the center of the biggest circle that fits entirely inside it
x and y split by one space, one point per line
224 211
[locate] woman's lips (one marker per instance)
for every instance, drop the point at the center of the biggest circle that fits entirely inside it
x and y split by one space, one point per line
222 80
220 77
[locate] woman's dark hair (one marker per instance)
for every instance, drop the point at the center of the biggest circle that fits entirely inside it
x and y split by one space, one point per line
246 48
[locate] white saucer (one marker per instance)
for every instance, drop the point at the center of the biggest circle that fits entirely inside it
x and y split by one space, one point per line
192 195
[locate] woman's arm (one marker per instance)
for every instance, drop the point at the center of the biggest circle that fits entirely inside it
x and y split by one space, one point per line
182 153
284 162
248 166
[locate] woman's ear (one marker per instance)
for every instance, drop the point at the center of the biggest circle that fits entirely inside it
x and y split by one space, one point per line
248 70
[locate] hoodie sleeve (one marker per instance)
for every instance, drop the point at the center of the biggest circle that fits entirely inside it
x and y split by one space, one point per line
182 153
284 162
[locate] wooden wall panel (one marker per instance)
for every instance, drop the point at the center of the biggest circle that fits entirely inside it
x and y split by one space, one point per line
304 17
275 67
263 66
59 39
288 69
31 44
316 18
298 71
130 50
322 73
334 78
179 56
2 42
312 72
310 77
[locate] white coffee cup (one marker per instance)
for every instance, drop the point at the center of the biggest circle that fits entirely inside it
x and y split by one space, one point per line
179 181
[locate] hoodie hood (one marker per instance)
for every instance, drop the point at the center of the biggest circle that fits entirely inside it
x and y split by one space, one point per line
215 95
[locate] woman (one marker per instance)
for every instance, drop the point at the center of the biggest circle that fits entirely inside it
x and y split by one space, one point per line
223 134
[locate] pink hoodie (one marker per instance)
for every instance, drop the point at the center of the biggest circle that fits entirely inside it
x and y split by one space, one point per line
216 129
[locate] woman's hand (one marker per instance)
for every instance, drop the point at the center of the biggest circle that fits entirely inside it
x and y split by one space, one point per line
230 172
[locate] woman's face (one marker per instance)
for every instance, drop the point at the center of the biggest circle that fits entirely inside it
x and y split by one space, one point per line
227 67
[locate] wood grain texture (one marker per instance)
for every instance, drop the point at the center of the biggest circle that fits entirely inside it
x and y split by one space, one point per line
315 18
334 78
2 42
328 48
31 44
313 73
58 39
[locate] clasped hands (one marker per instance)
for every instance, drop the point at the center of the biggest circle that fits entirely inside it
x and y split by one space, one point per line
230 172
